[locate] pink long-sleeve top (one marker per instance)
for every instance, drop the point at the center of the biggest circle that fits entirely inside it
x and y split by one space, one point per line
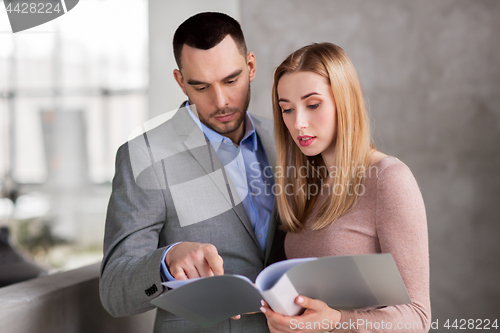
389 217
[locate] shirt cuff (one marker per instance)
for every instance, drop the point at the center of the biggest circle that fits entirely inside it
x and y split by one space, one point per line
165 273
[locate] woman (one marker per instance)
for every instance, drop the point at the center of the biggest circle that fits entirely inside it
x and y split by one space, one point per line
356 200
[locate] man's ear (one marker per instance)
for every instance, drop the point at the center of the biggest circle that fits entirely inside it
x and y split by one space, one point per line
252 65
180 80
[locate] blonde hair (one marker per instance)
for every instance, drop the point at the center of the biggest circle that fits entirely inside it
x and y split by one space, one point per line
352 143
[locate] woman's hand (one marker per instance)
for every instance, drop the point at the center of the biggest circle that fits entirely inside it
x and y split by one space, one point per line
317 317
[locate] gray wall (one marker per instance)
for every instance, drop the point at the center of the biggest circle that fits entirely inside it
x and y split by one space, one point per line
431 74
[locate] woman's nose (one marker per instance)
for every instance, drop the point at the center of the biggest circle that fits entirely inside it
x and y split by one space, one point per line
301 121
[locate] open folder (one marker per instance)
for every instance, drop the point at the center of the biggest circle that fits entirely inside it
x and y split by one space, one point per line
342 282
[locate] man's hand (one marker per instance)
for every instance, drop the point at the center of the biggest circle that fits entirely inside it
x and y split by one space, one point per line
189 260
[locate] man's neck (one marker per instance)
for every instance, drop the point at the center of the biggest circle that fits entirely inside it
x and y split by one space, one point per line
237 136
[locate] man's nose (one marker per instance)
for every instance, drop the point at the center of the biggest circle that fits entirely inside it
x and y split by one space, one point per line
221 98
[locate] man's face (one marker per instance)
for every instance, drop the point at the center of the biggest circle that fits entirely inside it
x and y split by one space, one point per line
217 82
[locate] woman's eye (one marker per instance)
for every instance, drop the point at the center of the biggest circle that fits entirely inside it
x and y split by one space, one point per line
313 106
287 110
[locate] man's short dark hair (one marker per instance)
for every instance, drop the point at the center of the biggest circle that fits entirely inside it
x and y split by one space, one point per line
206 30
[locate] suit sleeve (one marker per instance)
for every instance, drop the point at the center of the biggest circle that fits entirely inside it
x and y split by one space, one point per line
401 226
130 271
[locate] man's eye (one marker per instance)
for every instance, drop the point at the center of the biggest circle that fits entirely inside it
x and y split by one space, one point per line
201 88
231 81
313 106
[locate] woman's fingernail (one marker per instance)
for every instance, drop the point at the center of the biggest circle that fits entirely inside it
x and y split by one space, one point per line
262 302
300 299
263 309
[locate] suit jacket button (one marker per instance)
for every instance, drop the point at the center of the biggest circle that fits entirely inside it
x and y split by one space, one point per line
151 290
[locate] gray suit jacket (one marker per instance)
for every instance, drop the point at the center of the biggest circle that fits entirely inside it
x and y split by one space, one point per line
170 186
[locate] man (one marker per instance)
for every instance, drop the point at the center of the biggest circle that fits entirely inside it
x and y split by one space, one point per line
192 197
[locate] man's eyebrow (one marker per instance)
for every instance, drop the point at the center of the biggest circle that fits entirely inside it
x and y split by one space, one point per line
195 82
230 76
233 75
302 98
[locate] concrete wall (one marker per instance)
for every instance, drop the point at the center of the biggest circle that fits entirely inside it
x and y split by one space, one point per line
66 302
431 74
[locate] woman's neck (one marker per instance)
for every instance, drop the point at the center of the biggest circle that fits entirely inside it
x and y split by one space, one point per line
329 159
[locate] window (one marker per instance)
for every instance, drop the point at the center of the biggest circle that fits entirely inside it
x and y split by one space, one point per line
71 91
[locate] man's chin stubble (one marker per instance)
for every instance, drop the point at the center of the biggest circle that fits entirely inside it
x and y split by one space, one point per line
223 129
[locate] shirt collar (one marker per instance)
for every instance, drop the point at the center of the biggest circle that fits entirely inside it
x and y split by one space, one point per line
249 138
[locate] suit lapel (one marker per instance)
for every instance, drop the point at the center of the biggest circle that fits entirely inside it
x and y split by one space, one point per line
210 162
266 136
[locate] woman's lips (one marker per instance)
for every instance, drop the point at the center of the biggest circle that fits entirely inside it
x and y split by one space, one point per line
306 140
225 118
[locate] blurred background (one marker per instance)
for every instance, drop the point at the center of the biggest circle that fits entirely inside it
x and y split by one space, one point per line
72 90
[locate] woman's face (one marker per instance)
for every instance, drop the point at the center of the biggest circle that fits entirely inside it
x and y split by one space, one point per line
308 110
